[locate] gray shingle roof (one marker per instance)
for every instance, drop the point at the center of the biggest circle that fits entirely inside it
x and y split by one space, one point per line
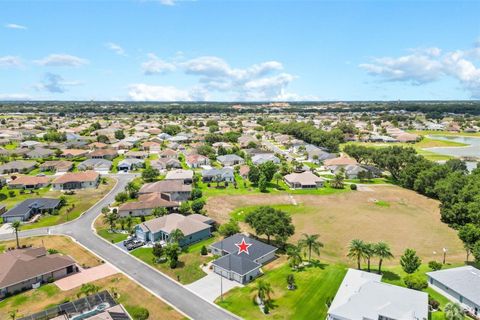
26 206
237 264
256 250
463 280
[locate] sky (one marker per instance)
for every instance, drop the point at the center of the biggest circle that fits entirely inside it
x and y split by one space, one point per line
204 50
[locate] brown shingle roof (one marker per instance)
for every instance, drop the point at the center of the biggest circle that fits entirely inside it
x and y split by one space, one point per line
77 177
165 186
148 201
28 180
174 221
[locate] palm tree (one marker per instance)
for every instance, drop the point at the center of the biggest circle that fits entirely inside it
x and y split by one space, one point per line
264 290
110 219
369 252
129 222
311 242
382 251
277 176
337 181
176 235
16 227
294 254
356 250
13 314
453 311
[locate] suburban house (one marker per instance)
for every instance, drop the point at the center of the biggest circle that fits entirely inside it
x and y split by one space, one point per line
130 164
339 161
17 166
98 145
169 154
362 295
460 285
29 182
195 227
30 207
240 266
145 204
136 155
165 163
196 160
77 180
73 153
151 146
172 190
352 171
262 158
56 166
40 153
99 165
314 153
180 174
218 175
24 269
230 160
304 180
108 154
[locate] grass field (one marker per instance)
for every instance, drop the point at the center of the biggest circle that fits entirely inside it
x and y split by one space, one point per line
314 286
445 133
63 244
188 269
131 295
403 218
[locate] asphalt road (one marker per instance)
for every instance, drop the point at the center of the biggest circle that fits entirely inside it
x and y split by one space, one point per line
174 293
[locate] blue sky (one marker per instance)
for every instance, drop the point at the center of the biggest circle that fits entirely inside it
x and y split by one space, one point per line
168 50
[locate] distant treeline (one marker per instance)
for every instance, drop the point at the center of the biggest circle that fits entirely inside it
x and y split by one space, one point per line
433 109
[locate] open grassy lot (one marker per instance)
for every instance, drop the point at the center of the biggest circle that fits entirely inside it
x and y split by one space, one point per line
403 218
445 133
314 286
82 201
130 294
189 262
63 244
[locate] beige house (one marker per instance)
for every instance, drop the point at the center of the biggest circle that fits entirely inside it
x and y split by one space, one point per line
304 180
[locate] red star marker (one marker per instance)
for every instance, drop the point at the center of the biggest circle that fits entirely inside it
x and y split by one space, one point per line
243 246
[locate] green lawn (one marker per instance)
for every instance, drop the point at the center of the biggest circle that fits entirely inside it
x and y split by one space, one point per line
240 213
314 286
112 237
445 133
188 269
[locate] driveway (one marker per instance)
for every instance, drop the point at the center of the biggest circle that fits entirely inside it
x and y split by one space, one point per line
209 286
86 276
5 229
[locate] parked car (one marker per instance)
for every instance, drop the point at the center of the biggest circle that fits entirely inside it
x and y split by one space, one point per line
134 245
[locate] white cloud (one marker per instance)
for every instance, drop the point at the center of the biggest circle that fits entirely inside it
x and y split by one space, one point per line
145 92
115 48
15 26
55 83
156 65
62 60
428 65
14 96
10 61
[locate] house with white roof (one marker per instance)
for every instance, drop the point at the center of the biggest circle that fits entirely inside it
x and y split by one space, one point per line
460 285
363 296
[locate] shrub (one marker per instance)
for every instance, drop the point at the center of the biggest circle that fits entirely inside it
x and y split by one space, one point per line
11 193
173 263
353 187
415 282
139 313
434 304
52 251
204 251
434 265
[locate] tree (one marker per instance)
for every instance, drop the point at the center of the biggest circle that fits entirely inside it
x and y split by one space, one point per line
13 314
476 251
264 290
356 250
159 211
271 223
129 222
111 220
369 252
277 176
383 252
184 208
268 168
176 236
16 225
196 194
469 234
291 281
172 250
294 254
262 183
254 174
453 311
157 251
121 197
119 135
132 189
311 243
229 229
337 182
410 262
150 174
197 205
203 251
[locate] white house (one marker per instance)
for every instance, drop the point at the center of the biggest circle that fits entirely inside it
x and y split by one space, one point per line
362 295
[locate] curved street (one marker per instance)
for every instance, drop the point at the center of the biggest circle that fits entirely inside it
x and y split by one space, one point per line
161 285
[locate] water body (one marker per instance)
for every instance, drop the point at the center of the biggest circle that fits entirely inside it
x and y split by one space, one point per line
472 150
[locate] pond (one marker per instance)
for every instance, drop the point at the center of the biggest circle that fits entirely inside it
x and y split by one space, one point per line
472 150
